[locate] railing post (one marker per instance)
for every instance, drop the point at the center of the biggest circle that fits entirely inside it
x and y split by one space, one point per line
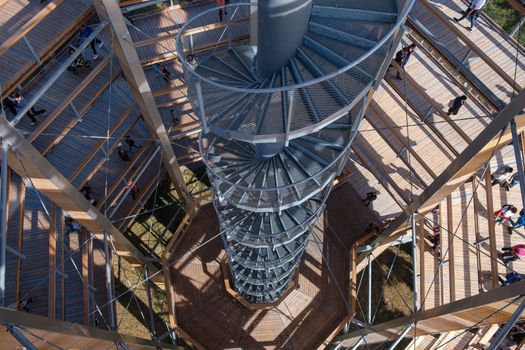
35 56
109 283
202 111
289 117
3 223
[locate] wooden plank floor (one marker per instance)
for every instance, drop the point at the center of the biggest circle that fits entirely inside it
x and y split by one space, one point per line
302 320
15 13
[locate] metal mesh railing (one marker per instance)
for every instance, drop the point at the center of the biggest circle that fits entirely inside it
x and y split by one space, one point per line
301 102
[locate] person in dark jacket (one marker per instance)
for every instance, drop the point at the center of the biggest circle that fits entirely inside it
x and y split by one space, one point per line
456 104
402 57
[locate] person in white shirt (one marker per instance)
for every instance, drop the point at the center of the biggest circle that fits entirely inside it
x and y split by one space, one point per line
472 12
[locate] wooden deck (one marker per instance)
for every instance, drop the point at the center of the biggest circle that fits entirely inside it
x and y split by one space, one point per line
303 320
397 159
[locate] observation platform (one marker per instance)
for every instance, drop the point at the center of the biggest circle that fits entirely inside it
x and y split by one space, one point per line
210 317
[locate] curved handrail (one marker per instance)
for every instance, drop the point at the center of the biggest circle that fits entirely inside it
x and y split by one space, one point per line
251 189
189 68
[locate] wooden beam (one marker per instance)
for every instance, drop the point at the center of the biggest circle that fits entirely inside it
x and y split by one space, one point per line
479 310
29 25
353 278
68 99
51 287
472 45
140 88
421 246
517 5
85 276
477 154
450 241
66 333
491 229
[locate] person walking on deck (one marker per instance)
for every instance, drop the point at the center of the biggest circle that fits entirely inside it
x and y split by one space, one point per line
520 222
370 197
472 12
502 175
512 253
511 277
221 10
402 57
131 143
505 213
133 189
85 32
455 105
15 101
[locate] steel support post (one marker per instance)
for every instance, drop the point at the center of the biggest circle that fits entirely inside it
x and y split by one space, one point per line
519 163
109 284
3 222
369 289
502 333
414 264
35 56
401 336
26 343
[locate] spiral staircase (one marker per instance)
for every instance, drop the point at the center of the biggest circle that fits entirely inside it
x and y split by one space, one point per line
279 118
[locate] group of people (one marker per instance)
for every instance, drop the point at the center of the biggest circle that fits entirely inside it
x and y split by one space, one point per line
125 153
504 176
15 102
472 12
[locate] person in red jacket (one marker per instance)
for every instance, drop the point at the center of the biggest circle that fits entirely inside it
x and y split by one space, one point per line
512 253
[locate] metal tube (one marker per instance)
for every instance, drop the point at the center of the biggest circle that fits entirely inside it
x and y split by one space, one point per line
361 340
109 283
517 155
3 222
26 343
369 289
502 333
401 336
152 328
57 74
35 56
414 264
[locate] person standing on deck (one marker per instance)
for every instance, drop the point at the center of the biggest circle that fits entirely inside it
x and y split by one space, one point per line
221 10
15 101
512 253
85 32
402 57
472 12
131 143
370 197
502 175
505 213
455 105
